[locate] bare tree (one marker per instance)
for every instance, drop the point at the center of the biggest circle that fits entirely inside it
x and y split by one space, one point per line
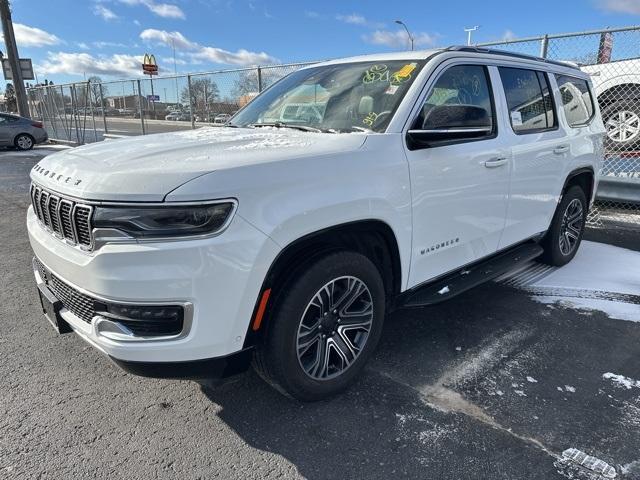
97 97
10 98
204 91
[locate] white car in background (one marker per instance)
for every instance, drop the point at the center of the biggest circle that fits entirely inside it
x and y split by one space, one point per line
221 119
617 88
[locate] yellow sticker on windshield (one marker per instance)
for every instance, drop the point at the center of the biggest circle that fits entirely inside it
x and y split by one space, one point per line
406 70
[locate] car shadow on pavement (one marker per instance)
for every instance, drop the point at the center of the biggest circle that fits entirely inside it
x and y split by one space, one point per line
500 352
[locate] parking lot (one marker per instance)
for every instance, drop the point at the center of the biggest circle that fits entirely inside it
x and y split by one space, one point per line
494 384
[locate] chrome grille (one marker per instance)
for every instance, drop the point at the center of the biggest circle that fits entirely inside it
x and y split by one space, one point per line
64 217
76 302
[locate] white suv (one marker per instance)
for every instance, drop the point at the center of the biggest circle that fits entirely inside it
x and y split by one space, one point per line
410 178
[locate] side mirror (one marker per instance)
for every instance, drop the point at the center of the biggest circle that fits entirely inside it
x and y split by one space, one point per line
450 122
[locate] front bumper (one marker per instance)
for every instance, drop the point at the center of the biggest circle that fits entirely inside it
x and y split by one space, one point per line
218 278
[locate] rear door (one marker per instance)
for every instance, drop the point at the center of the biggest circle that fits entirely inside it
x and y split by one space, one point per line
459 188
540 152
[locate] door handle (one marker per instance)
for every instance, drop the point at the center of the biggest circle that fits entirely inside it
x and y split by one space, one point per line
496 162
561 149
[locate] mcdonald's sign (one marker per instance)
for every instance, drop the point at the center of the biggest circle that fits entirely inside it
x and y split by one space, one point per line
149 65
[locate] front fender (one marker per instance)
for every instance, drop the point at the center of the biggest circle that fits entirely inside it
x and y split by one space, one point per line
289 199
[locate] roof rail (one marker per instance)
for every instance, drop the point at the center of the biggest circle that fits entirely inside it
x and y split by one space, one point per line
505 53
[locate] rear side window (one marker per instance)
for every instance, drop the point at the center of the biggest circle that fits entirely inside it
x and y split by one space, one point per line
528 99
576 100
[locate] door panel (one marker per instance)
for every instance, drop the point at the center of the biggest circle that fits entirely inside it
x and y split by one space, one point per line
540 152
459 191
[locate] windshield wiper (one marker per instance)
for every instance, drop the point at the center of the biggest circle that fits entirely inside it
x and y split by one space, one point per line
304 128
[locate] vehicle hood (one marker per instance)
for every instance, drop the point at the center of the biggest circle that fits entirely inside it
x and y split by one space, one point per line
147 168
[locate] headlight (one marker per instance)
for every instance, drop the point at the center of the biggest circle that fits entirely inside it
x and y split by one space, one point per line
164 220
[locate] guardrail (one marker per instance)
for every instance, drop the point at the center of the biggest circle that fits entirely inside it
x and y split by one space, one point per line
619 190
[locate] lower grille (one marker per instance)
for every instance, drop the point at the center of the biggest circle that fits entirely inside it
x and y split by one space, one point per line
76 302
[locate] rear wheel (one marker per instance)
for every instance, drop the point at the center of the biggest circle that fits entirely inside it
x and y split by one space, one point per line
324 328
24 142
567 228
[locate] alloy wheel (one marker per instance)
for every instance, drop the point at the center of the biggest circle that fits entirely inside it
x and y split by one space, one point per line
334 328
24 142
623 126
571 227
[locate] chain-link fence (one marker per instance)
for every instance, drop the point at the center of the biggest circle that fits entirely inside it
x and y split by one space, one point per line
612 58
87 112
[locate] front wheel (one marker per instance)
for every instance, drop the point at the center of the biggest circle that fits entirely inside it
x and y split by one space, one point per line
567 228
324 328
24 142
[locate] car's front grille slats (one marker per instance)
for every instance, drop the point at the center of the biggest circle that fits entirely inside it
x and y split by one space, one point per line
83 231
64 217
53 214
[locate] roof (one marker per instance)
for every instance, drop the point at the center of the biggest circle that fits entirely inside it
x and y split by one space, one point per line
425 54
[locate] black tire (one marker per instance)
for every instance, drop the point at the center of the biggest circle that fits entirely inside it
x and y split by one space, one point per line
24 141
630 108
554 253
277 359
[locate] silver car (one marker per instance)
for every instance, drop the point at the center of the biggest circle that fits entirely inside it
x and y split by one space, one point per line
20 132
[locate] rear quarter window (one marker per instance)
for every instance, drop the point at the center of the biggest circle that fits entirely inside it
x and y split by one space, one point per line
577 100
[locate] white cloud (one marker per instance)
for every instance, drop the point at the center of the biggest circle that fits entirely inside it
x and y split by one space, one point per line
166 10
178 61
104 12
33 37
118 65
101 44
621 6
508 35
353 18
240 57
357 19
206 53
170 39
83 45
399 39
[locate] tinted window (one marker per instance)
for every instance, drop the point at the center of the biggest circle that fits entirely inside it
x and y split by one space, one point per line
466 85
576 99
528 99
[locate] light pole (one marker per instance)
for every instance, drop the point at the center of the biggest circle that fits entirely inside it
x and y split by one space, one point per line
14 59
400 22
469 30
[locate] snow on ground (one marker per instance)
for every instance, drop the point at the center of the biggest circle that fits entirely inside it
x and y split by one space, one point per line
597 267
600 267
622 381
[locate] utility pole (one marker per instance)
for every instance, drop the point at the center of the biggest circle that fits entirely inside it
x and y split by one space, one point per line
14 59
469 31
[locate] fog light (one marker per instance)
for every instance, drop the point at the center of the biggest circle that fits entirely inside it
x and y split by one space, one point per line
145 320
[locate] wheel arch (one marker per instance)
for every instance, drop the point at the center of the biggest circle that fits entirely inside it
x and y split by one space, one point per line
621 91
583 177
373 238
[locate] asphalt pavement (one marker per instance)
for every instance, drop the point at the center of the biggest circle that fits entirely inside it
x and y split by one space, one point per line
491 385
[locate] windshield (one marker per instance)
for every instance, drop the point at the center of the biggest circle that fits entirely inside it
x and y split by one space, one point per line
337 98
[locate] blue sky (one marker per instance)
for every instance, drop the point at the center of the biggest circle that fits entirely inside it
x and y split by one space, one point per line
68 39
